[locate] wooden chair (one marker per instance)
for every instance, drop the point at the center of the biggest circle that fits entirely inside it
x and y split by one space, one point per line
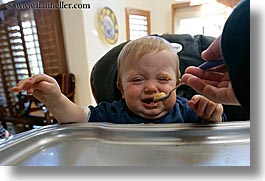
66 82
19 113
28 111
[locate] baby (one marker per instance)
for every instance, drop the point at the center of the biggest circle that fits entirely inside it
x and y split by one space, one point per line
146 67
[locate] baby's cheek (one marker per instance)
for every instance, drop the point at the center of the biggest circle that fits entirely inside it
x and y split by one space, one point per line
170 102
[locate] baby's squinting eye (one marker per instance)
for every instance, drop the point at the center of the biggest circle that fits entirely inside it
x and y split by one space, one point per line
164 78
137 79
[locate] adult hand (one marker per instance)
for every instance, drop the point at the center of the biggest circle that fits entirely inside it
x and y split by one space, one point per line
213 52
213 84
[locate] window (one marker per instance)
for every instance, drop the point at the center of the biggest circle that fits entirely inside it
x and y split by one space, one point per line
205 18
137 23
31 42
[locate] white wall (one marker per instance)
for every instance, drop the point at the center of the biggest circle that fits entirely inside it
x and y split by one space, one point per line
83 44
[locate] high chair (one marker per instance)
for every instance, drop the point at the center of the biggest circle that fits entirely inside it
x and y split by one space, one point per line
104 73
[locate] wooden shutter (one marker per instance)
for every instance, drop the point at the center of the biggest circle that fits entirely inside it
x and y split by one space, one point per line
13 53
51 40
31 42
137 23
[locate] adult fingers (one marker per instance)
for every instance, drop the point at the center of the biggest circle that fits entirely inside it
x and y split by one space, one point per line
213 52
213 74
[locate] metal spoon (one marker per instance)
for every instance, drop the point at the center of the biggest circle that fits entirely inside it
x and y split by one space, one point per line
204 66
163 98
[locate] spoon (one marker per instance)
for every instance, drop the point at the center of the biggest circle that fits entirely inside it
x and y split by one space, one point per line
211 64
162 96
206 65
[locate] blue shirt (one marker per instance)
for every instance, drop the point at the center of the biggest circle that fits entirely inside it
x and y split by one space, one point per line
117 112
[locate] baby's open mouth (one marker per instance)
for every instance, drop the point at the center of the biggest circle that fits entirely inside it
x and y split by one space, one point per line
148 101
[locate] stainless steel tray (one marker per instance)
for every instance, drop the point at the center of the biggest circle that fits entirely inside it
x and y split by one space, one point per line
92 144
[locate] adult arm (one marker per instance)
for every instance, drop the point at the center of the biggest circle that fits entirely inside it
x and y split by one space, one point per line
235 45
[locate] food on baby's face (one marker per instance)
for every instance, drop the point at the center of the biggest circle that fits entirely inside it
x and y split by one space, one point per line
167 76
159 96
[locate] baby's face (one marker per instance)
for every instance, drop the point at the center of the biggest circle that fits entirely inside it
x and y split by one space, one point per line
144 78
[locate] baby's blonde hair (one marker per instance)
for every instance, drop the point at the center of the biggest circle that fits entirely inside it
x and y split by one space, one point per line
136 49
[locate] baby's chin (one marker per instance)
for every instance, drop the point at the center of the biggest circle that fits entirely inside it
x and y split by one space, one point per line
152 114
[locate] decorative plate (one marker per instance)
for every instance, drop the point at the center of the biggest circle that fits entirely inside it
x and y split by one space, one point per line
108 25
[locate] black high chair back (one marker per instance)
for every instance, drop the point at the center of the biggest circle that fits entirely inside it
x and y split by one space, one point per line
104 73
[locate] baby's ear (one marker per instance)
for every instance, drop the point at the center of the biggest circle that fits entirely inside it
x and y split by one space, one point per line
178 83
119 86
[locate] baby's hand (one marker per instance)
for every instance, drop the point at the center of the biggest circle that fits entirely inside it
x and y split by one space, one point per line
43 87
206 109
